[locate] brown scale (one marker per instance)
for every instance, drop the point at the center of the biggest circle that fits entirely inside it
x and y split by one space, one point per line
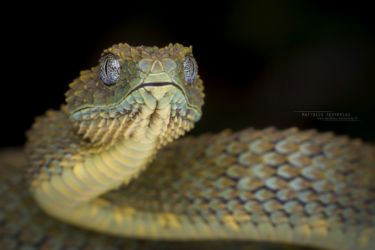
288 171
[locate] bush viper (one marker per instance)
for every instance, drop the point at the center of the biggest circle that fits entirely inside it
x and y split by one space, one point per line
100 163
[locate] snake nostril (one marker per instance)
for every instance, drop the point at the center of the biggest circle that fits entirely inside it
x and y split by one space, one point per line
169 65
145 65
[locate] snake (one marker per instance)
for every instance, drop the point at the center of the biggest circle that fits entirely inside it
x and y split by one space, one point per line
105 171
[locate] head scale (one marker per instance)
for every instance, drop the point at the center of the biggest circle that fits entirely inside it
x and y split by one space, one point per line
105 100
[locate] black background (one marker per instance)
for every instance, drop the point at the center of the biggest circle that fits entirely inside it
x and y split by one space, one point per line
261 60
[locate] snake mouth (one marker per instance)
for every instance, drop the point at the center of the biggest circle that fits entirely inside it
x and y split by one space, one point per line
157 84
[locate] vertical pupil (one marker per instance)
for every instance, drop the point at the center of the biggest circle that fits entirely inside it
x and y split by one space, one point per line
109 70
190 69
188 66
107 66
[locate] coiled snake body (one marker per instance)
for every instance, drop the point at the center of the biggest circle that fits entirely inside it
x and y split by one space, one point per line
86 164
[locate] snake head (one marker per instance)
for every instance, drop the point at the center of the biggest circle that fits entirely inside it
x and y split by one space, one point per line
133 83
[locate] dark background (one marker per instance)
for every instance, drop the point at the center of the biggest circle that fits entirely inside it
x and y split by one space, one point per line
261 60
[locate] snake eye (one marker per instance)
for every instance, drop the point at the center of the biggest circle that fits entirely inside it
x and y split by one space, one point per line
109 69
190 68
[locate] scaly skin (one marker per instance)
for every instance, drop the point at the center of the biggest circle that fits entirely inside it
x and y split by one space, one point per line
284 186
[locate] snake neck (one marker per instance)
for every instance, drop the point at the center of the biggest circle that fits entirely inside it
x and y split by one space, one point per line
99 173
140 142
